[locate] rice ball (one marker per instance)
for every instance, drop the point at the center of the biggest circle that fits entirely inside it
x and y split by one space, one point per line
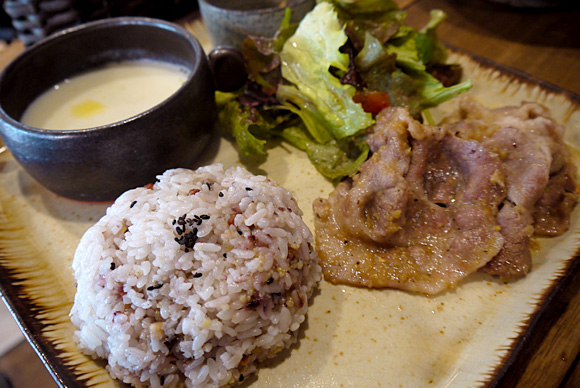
194 279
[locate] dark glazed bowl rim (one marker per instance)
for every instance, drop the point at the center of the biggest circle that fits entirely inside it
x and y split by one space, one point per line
101 24
100 163
211 4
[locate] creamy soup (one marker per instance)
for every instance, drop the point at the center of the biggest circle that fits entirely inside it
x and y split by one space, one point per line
105 95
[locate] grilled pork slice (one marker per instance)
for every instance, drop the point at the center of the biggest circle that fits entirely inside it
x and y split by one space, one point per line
434 204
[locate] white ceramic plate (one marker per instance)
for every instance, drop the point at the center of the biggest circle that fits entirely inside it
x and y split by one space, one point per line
353 337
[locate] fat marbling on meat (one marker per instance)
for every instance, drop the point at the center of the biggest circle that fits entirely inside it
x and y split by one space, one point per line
436 203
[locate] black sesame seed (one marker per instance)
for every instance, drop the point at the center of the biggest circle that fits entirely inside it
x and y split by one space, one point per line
248 189
225 255
186 238
204 217
240 232
208 185
174 222
158 285
190 238
241 378
197 275
133 204
270 281
221 194
162 380
253 303
113 266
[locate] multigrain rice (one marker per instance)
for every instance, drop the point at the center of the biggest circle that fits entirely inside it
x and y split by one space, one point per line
194 279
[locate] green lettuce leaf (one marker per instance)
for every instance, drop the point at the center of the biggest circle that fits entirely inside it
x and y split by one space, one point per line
251 129
312 118
236 119
414 51
249 126
432 92
261 54
307 59
335 159
438 53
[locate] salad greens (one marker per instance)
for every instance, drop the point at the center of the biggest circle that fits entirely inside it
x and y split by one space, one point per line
318 84
306 60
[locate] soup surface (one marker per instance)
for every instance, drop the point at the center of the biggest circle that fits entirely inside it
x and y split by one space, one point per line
105 95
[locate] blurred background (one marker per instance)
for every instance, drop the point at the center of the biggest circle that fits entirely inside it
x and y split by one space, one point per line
31 20
7 32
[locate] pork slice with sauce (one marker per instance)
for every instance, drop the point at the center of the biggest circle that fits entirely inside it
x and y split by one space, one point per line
419 216
539 175
434 204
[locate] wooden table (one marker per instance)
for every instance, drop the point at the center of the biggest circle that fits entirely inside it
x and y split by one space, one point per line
543 43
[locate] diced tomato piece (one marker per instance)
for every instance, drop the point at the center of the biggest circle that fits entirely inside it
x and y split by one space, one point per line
372 101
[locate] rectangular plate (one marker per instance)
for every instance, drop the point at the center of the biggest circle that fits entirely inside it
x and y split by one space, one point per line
465 337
